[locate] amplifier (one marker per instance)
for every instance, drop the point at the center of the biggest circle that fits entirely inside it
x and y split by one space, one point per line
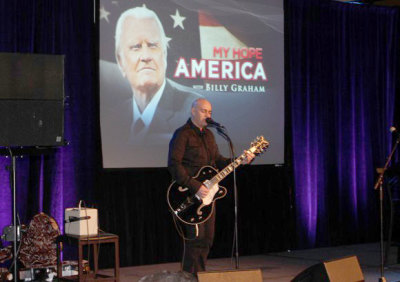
81 221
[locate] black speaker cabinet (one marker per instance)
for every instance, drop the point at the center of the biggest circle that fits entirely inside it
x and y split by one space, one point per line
253 275
340 270
31 123
31 100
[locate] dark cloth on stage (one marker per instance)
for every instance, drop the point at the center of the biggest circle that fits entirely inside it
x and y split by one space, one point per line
190 149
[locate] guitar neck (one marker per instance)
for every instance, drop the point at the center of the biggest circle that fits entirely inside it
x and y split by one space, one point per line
258 146
227 170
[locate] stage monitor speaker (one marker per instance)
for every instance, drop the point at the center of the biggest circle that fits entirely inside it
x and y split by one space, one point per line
31 123
246 275
339 270
31 99
31 76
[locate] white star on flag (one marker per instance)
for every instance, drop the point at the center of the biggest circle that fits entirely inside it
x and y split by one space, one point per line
178 19
104 13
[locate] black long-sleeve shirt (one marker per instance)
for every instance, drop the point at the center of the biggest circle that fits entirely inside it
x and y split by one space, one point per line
189 150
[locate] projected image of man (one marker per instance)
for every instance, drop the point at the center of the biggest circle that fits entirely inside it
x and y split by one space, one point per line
158 104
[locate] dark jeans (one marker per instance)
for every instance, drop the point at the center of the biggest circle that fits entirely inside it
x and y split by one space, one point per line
198 247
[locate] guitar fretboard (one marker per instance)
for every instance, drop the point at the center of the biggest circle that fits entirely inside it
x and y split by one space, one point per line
257 148
227 170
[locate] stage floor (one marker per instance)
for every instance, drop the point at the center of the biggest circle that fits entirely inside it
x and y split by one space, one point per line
284 266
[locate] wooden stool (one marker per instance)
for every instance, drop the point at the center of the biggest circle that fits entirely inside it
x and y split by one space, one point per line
95 241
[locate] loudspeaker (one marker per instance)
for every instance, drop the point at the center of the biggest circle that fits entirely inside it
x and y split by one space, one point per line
31 76
253 275
339 270
81 221
31 99
31 123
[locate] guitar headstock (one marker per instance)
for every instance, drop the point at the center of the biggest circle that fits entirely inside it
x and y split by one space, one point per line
259 145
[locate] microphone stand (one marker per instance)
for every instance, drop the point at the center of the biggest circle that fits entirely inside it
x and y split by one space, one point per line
14 214
379 184
222 131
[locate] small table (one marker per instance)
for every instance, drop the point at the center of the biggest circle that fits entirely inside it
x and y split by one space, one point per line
94 240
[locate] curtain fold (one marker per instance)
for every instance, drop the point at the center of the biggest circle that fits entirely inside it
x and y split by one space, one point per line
51 182
343 71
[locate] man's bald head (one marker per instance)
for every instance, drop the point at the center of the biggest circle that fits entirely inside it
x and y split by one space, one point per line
201 110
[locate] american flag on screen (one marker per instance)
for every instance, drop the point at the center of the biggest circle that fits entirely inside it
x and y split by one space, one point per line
196 36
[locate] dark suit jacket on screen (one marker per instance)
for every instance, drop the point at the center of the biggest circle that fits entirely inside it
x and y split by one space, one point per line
116 109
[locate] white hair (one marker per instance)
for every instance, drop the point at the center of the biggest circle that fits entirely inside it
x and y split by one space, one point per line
139 13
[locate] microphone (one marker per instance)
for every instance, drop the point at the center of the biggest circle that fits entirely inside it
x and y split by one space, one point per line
211 122
74 218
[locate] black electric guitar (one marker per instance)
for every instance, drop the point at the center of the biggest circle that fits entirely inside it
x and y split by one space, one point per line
191 209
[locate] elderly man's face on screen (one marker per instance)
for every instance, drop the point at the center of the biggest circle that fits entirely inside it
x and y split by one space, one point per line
141 54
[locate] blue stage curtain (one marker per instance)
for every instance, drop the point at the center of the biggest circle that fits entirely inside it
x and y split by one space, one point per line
52 182
341 70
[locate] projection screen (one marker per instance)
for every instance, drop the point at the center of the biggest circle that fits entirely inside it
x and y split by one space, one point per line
163 54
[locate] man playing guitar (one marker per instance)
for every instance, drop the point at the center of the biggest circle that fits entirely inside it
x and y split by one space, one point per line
192 147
